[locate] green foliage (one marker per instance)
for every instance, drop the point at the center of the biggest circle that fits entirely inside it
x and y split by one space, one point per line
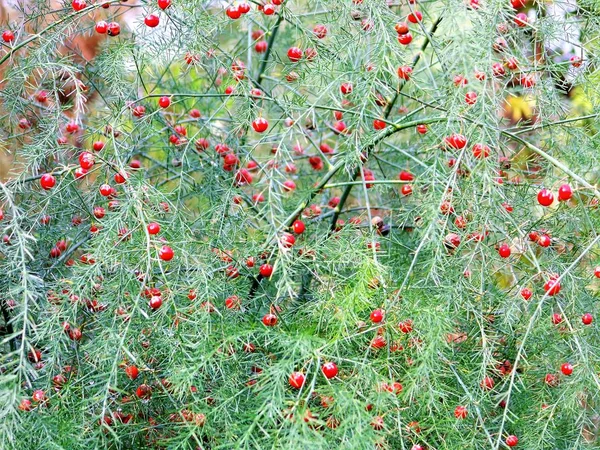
454 313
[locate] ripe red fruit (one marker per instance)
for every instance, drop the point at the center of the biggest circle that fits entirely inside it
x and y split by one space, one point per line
526 293
544 240
456 141
422 129
164 101
320 31
597 272
8 36
269 320
152 20
298 227
487 383
260 125
105 190
471 98
556 319
261 46
566 369
47 181
132 372
166 253
296 380
164 4
153 228
78 5
269 9
404 72
521 19
86 160
587 319
518 3
376 316
564 193
233 12
114 29
405 326
155 302
346 88
294 54
266 270
405 39
401 28
144 391
330 370
545 197
512 440
287 240
460 412
379 124
98 146
415 17
101 27
552 286
481 151
504 250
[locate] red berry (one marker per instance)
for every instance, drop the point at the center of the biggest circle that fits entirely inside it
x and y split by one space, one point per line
144 391
552 286
566 369
233 12
78 5
261 47
260 125
565 193
297 379
405 39
401 28
164 101
102 27
415 17
379 124
166 253
132 372
153 228
376 316
404 72
556 319
320 31
164 4
98 145
330 370
422 129
481 151
512 440
105 190
47 181
526 293
155 302
152 20
545 197
269 320
294 54
8 36
266 270
346 88
460 412
114 29
504 250
587 319
521 19
298 227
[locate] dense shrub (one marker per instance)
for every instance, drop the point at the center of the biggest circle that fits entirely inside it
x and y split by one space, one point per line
300 225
